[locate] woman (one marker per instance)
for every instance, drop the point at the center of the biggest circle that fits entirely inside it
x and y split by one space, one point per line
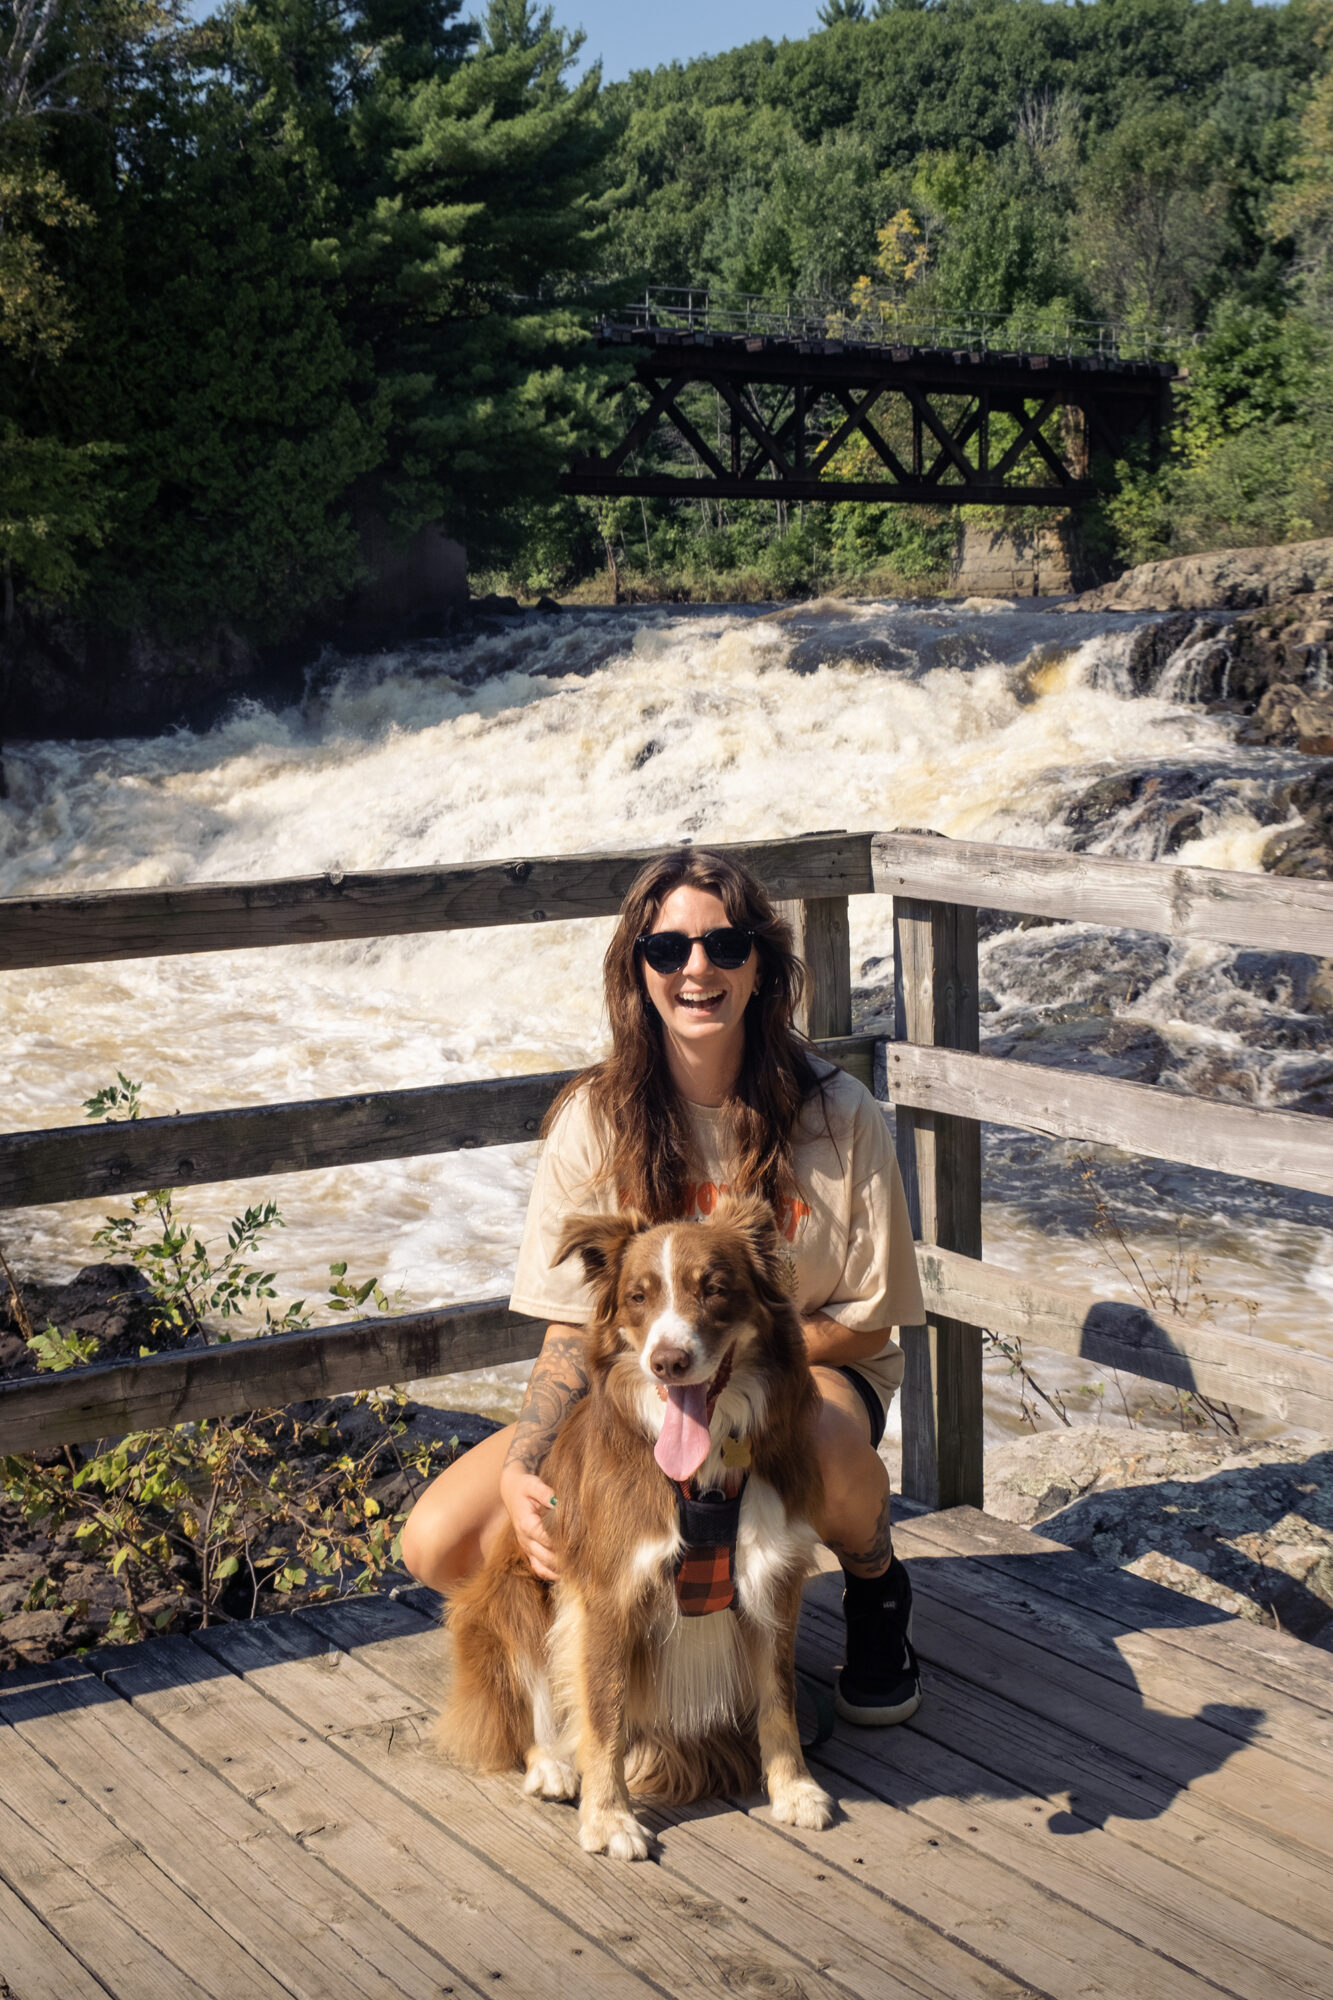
708 1086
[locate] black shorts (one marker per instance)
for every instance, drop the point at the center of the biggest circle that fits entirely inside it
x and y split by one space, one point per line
875 1410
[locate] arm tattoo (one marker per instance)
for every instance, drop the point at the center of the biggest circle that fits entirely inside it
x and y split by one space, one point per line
875 1558
558 1381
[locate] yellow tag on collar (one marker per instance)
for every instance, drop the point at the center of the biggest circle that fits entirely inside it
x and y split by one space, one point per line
736 1454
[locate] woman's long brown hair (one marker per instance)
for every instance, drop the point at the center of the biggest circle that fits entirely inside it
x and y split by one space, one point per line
631 1095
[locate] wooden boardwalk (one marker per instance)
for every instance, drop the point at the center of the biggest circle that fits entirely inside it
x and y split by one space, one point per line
1109 1790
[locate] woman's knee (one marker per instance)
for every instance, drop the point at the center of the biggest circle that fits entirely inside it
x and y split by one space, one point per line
442 1536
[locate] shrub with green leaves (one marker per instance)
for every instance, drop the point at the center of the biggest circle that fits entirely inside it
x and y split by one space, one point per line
224 1517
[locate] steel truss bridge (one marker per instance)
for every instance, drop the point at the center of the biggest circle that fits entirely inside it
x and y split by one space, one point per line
796 383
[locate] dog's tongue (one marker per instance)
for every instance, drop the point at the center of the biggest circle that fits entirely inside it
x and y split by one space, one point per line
684 1443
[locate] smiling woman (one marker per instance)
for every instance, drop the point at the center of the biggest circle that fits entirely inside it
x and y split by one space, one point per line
709 1089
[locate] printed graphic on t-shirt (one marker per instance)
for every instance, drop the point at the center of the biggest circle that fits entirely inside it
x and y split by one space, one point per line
701 1198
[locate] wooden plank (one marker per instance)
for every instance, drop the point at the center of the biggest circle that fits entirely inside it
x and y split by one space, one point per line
727 1860
1284 1148
106 1897
935 1002
1215 905
1043 1763
34 1965
322 909
109 1162
329 1779
1244 1951
634 1914
1240 1705
113 1397
822 942
1253 1653
100 1162
1264 1797
1293 1384
994 1910
1019 1931
298 1929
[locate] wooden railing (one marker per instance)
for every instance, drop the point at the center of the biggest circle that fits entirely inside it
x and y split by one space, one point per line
942 1087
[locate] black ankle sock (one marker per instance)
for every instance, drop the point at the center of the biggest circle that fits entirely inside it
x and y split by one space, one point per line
872 1590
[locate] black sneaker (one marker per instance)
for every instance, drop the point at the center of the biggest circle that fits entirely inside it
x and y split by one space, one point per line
881 1682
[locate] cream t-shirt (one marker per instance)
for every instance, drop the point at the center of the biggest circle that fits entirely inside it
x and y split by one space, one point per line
847 1232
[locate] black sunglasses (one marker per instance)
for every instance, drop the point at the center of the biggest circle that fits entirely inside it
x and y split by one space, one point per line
669 951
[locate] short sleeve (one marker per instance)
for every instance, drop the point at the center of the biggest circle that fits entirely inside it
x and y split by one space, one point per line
879 1286
568 1182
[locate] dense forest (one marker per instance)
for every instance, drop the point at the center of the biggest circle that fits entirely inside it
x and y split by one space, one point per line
303 265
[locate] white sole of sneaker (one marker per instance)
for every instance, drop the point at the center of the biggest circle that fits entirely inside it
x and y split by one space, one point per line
876 1718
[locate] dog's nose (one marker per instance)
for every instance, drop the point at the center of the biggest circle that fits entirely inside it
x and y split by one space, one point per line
670 1363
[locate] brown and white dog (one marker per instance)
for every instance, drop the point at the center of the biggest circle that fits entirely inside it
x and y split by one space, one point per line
686 1481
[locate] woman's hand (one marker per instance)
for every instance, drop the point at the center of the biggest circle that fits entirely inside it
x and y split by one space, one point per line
530 1504
557 1382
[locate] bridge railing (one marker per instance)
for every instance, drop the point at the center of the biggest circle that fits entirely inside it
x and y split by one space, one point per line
932 1070
885 323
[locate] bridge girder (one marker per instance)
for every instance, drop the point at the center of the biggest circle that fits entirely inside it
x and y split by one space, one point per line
791 406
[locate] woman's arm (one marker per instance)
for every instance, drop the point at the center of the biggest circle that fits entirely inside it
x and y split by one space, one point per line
828 1342
557 1382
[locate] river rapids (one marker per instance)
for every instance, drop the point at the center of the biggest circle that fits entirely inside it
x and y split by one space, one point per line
607 729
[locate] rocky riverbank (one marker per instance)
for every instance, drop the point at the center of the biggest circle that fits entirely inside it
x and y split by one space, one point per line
1246 1527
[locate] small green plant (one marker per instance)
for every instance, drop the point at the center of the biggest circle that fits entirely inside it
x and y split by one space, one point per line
208 1520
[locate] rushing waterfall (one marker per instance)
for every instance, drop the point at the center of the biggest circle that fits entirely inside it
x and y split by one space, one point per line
640 728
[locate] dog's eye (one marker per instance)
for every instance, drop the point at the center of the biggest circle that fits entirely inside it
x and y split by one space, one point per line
637 1296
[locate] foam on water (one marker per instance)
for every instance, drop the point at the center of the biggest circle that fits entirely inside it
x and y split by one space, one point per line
587 731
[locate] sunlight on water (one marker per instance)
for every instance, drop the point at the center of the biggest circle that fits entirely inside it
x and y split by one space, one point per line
588 731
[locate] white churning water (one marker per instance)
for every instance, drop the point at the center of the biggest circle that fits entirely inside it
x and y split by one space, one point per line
600 730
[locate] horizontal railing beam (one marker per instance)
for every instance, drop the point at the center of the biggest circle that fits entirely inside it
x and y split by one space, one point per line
1282 1148
113 1397
108 1162
1291 1384
325 909
38 1413
1212 905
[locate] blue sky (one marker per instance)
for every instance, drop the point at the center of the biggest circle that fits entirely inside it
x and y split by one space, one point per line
627 34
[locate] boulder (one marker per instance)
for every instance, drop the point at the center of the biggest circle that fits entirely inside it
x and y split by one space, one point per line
1224 579
1292 719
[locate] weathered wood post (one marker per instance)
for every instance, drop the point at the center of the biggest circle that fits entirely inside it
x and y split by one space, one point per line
935 1002
820 933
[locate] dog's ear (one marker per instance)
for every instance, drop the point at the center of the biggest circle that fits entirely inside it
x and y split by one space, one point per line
753 1219
600 1241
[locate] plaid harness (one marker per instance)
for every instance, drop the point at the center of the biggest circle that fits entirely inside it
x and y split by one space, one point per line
705 1579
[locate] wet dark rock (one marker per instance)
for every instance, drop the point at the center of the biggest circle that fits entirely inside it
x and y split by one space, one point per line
1094 809
808 655
1246 1527
545 603
1285 979
1306 850
1316 1102
1083 1041
1098 968
1153 647
1160 802
1222 1074
495 606
1292 718
110 1302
